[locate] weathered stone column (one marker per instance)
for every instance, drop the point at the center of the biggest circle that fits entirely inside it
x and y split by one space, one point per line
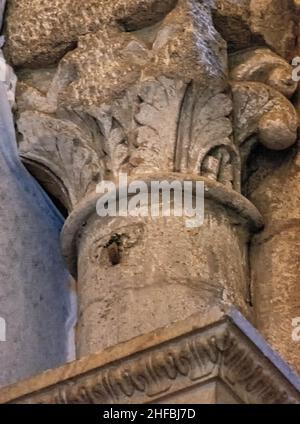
154 104
146 92
139 274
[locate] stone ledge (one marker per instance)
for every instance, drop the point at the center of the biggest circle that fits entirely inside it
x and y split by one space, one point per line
222 348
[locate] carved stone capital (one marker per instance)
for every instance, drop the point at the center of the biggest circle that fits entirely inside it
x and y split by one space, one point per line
137 102
151 95
154 103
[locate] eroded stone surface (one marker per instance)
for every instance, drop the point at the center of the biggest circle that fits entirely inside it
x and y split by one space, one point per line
264 111
262 65
133 103
41 31
154 100
39 34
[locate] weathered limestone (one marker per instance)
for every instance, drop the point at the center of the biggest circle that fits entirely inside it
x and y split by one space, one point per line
40 33
224 360
151 102
262 65
154 279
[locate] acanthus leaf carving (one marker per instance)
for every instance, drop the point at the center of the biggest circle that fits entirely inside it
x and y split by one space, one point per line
205 136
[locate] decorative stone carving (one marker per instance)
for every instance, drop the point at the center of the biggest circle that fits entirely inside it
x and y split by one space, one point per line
164 365
262 65
154 104
136 130
263 111
261 85
144 89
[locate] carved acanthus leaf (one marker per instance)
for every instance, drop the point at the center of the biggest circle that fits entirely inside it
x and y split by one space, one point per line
63 147
205 136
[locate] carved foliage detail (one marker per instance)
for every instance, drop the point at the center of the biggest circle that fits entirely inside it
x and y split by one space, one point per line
205 143
160 125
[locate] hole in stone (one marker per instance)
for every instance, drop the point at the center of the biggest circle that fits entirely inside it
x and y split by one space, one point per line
113 249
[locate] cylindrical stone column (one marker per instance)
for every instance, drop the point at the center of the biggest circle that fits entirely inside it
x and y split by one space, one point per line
136 275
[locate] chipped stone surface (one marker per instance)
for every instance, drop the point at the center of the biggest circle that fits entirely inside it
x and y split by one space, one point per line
157 281
41 32
107 62
277 22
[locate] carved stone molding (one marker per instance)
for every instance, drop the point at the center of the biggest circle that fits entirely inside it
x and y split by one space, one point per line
185 356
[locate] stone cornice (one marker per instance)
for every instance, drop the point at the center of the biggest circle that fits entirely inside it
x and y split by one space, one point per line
223 347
